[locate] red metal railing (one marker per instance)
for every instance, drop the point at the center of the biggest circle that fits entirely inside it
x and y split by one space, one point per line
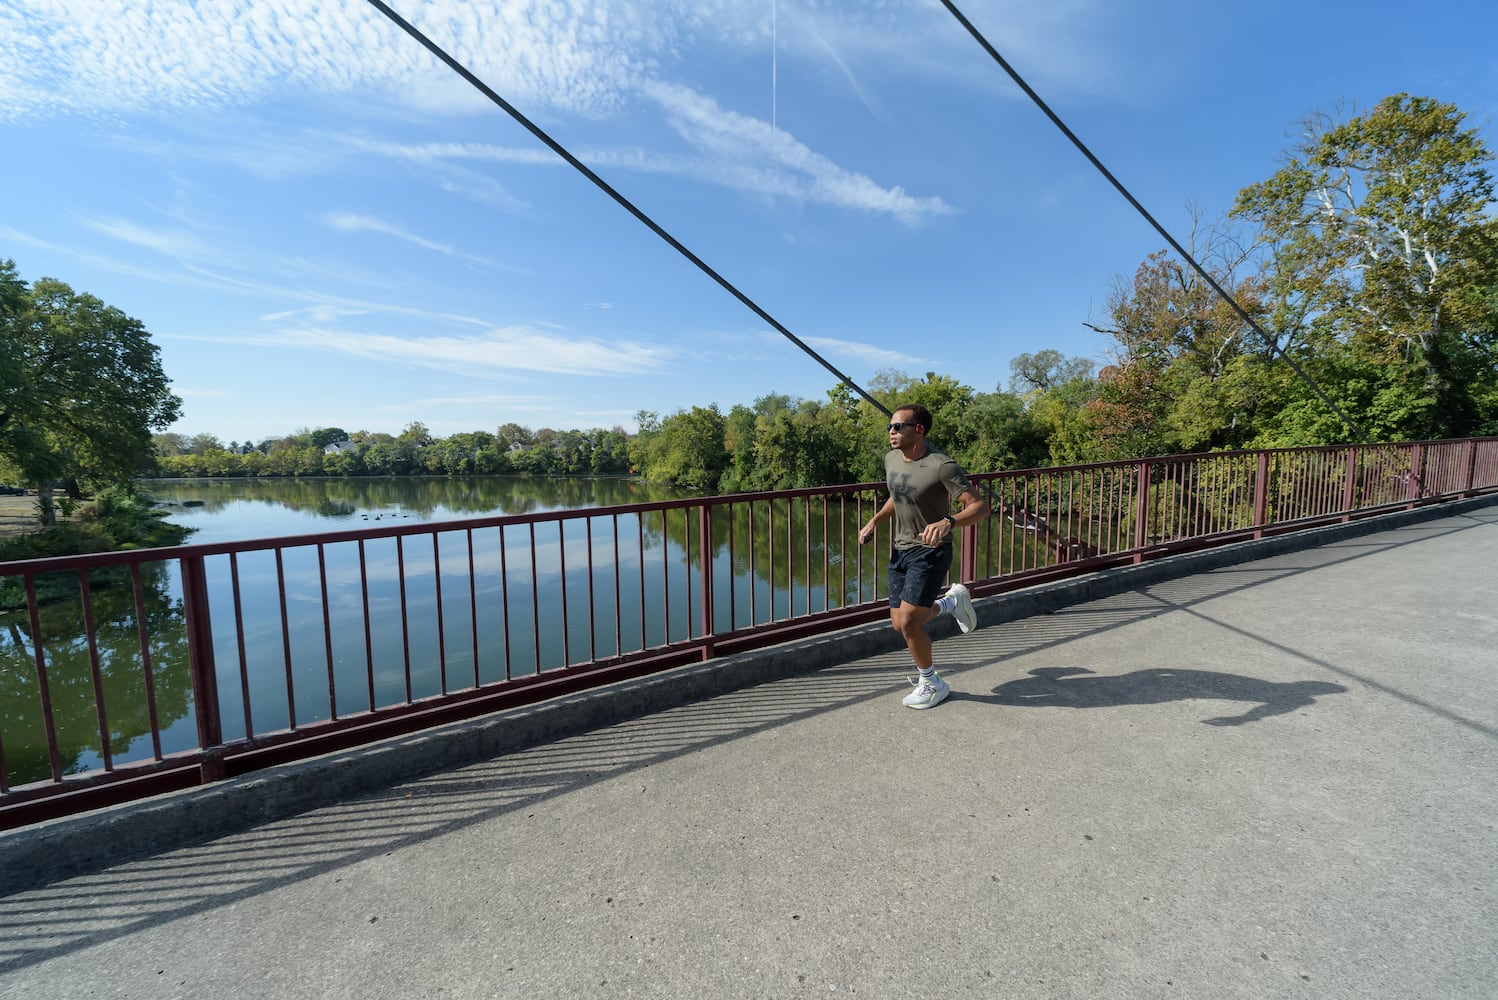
129 673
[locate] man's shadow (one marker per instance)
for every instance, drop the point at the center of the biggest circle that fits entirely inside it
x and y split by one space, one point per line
1048 687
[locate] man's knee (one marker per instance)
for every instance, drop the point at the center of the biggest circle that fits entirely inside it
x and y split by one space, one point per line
907 619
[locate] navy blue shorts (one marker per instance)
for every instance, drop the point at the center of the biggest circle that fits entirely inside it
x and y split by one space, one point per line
916 575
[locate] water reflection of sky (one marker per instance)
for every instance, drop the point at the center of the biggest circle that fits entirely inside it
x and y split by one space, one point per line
241 520
243 510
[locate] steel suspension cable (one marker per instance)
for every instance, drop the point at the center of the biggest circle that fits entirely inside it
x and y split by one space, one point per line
609 190
1273 343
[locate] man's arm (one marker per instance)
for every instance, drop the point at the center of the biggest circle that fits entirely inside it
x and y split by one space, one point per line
866 535
974 509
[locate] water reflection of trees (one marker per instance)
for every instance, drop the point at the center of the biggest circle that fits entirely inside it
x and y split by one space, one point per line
343 498
787 550
123 682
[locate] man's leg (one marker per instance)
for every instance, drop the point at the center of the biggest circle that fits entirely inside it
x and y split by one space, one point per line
910 621
915 578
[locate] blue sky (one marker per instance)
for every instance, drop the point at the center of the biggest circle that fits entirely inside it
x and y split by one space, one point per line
321 225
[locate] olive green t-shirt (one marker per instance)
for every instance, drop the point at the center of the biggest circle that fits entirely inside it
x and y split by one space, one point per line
923 491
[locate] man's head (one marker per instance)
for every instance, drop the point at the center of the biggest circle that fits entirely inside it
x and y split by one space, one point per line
914 421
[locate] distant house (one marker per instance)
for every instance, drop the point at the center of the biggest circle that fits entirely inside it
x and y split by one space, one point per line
339 447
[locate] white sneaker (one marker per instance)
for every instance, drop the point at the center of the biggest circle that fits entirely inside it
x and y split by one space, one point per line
967 618
927 693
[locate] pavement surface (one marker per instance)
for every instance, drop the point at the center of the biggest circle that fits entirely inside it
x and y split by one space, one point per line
1272 779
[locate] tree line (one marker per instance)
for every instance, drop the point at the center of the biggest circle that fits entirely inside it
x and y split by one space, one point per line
1364 272
331 451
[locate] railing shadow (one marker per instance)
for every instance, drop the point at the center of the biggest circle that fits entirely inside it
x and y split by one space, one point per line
89 910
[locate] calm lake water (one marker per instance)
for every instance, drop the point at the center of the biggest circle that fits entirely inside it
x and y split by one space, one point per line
230 510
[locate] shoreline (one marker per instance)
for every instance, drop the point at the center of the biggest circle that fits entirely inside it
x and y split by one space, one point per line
18 515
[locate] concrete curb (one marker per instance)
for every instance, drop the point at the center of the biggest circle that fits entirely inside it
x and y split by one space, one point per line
47 852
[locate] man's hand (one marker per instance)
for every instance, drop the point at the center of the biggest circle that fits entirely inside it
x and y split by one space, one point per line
866 535
933 533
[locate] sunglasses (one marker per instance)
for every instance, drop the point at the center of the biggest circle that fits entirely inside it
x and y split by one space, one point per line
899 426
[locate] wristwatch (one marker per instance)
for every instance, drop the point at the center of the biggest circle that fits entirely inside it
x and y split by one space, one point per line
952 521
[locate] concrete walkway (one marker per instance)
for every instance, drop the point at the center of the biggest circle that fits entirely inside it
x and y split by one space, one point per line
1274 779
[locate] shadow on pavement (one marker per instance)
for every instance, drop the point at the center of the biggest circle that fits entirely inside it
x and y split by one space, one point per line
1067 687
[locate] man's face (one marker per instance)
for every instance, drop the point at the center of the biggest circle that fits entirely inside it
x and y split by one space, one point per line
908 430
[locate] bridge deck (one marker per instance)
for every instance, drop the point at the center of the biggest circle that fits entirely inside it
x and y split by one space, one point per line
1276 779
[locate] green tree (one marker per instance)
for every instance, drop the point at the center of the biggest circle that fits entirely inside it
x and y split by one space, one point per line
349 462
1383 257
611 453
738 441
1186 364
389 458
202 444
324 436
802 446
514 435
1061 416
169 443
1045 370
695 456
1003 434
686 448
82 387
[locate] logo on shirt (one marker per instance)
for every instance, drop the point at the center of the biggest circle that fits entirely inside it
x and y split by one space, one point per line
901 490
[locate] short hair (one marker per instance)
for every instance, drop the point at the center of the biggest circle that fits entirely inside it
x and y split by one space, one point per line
921 415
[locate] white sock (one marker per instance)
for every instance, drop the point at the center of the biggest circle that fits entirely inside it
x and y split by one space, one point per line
945 604
928 673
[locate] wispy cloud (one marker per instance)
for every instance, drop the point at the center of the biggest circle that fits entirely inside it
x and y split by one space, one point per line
749 153
113 265
176 244
768 346
865 353
731 150
433 152
493 354
325 312
525 403
352 222
533 409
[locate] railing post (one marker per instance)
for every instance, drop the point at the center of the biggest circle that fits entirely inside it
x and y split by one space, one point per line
1141 508
1469 464
705 547
1417 474
202 668
1353 451
967 570
1261 495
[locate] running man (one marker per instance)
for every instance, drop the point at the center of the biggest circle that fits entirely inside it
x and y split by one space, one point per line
923 482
